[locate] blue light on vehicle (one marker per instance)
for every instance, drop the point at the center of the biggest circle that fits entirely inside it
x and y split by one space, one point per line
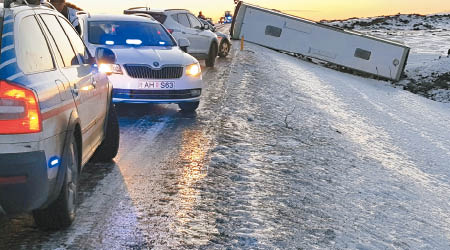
54 162
133 42
109 42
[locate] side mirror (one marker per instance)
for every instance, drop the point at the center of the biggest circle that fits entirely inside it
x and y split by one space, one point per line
92 60
183 43
105 56
206 26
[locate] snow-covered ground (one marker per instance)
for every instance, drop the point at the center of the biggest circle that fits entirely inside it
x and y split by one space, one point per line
328 160
282 154
428 69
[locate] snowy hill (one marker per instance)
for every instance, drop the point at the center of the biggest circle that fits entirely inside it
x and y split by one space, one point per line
396 22
428 36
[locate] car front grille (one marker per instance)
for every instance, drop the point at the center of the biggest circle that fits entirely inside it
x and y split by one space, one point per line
147 72
155 94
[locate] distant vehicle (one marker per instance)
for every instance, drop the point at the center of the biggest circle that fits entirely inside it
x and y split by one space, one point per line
183 24
150 67
228 18
356 51
222 20
224 40
55 113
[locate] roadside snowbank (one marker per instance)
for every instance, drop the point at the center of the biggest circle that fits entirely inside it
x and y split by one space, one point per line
428 69
310 158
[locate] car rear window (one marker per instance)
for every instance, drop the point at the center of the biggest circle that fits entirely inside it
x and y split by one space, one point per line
159 17
130 33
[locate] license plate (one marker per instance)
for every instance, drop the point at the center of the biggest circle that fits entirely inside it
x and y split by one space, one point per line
157 85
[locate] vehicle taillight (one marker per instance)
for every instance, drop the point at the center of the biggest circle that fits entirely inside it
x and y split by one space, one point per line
170 31
19 110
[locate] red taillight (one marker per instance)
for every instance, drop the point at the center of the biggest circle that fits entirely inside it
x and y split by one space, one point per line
19 110
13 180
170 31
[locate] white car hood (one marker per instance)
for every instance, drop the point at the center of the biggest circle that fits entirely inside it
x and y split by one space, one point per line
150 55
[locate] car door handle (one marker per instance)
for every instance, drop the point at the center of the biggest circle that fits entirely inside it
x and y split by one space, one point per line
94 82
75 90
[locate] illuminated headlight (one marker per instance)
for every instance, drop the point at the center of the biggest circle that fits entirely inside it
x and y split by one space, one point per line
193 69
110 69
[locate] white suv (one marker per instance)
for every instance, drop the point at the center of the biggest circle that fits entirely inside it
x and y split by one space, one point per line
150 66
183 24
55 113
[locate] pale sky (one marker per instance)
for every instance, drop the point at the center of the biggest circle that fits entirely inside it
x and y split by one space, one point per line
311 9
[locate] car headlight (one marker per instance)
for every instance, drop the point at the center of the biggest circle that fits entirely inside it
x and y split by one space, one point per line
193 69
110 69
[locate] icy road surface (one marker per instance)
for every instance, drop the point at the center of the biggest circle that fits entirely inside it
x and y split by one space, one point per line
282 154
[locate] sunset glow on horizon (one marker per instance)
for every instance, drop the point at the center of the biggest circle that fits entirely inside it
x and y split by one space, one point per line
311 9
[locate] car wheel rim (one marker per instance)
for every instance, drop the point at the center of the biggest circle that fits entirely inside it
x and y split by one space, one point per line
224 48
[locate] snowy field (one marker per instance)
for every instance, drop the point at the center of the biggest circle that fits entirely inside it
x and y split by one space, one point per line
428 69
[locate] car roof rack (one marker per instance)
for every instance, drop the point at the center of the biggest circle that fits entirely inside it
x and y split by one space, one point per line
177 9
83 12
135 8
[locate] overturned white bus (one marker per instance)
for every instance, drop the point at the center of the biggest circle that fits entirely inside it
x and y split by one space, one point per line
376 56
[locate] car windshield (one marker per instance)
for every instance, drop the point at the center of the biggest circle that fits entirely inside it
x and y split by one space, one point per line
129 33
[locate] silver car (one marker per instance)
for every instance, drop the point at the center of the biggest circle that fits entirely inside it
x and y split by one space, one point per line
183 24
55 113
151 66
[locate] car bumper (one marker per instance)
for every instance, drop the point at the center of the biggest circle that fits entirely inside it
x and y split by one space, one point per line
24 184
124 81
156 96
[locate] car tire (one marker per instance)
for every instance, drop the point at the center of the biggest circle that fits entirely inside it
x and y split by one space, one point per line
188 107
61 212
224 48
211 60
109 147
